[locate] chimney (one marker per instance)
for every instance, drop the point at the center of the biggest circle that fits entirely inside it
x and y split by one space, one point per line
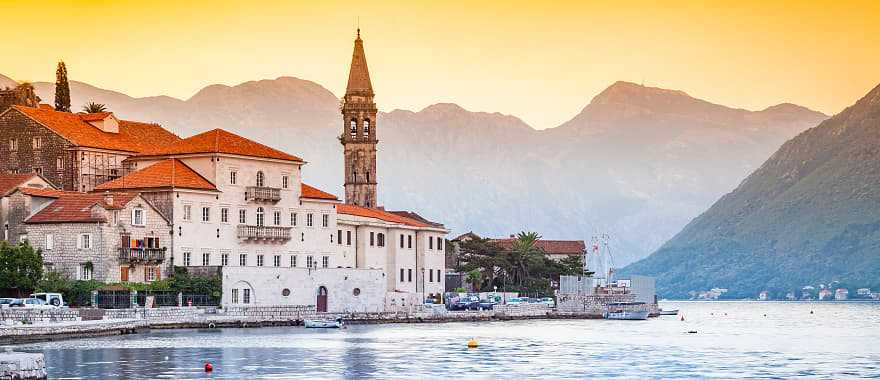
108 198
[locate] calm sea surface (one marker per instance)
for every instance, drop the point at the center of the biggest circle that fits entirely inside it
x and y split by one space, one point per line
733 340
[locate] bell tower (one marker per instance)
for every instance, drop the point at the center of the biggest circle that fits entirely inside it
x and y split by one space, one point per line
359 131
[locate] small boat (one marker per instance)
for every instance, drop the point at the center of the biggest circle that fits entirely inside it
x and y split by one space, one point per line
627 311
669 312
323 323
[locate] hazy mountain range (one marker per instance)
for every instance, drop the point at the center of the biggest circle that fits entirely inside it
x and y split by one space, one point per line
809 215
637 162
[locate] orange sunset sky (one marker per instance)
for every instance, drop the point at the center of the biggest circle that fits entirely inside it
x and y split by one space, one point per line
539 60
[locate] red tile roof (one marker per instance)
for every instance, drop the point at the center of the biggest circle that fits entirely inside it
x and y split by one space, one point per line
169 173
220 141
556 247
46 193
76 208
133 136
94 116
415 216
313 193
9 182
377 214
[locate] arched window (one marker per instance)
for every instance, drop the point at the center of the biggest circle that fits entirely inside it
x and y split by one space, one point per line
353 127
261 179
367 127
368 177
261 217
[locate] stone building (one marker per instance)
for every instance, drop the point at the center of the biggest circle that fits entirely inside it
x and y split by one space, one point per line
21 95
359 132
111 237
73 151
15 205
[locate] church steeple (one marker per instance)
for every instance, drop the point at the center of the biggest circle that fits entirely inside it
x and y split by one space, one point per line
359 131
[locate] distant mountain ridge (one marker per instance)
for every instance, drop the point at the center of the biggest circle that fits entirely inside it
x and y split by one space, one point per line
637 162
809 215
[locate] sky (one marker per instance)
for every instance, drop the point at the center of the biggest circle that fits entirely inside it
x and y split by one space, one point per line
541 61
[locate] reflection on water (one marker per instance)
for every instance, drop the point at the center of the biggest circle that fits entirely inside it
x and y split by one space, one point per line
733 339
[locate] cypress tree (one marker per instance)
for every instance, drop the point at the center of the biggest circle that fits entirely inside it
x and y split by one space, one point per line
62 89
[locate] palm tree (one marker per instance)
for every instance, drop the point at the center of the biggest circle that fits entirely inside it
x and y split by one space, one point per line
524 254
475 278
93 107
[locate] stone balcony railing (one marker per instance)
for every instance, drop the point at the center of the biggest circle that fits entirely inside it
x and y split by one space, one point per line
141 255
263 232
262 194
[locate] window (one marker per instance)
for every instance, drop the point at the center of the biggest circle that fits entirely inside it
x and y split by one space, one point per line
187 213
246 296
85 241
439 276
309 218
339 237
356 292
234 295
439 243
331 238
302 236
206 258
354 127
372 239
325 262
13 144
409 241
276 261
285 182
430 275
206 214
348 237
50 242
38 142
150 274
409 275
38 170
224 259
367 128
277 218
242 216
115 217
401 274
261 179
293 219
380 239
242 259
187 257
293 261
310 262
401 240
224 215
430 242
137 217
260 216
59 164
259 260
85 271
233 177
325 220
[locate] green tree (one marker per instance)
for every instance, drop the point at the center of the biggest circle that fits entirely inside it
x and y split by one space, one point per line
475 278
523 256
21 267
62 89
482 255
93 107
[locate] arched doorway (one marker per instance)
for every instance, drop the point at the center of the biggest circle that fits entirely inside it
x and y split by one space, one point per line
322 299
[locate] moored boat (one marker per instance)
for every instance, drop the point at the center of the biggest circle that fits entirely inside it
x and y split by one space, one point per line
323 323
669 312
629 311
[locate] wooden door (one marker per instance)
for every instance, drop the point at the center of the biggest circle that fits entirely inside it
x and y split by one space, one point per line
322 299
123 274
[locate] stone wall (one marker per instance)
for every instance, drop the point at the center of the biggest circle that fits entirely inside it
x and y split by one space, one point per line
522 310
10 316
268 313
27 157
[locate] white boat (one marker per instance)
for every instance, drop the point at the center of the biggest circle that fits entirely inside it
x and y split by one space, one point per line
669 312
629 311
323 323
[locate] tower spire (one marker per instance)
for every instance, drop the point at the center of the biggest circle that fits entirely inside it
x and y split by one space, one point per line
359 131
359 74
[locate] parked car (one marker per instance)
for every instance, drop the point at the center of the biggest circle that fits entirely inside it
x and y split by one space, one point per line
516 300
5 302
54 299
486 305
35 303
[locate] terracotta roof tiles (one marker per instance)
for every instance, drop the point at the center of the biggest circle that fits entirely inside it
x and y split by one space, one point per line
9 182
170 173
132 137
377 214
313 193
558 247
77 208
221 141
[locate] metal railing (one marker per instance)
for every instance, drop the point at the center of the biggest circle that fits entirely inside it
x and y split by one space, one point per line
137 255
263 232
262 194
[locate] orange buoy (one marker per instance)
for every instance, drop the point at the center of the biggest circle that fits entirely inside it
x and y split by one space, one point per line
208 367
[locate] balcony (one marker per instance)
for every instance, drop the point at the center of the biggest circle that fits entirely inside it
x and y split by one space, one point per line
141 255
262 194
263 233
